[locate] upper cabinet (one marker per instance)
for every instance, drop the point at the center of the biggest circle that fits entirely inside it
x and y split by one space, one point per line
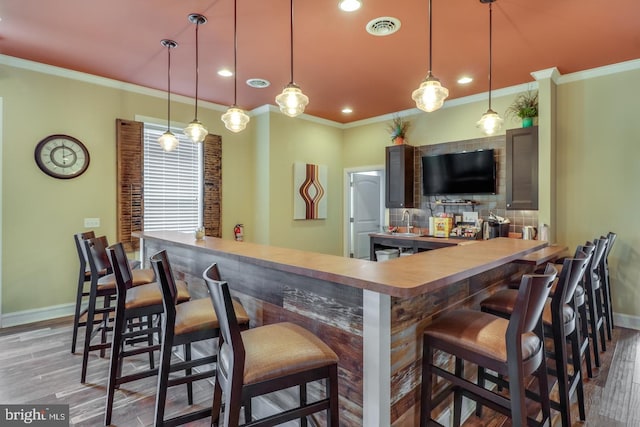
522 168
399 177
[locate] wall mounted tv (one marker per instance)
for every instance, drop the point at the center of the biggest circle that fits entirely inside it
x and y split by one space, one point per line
472 172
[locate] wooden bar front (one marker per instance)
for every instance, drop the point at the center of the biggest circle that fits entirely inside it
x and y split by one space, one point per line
372 314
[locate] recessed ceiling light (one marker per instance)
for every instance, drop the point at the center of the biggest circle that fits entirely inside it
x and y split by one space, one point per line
258 83
225 72
347 110
465 80
350 5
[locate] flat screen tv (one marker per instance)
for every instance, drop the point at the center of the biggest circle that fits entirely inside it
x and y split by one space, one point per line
471 172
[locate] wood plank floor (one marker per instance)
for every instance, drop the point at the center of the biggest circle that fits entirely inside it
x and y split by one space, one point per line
37 367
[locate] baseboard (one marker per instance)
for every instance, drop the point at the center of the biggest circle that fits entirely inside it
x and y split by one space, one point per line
36 315
626 321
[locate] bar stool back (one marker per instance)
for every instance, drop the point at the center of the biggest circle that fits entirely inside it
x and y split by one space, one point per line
267 359
594 305
84 276
513 348
605 283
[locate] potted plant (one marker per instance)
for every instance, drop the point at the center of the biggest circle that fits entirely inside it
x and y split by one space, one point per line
525 106
398 130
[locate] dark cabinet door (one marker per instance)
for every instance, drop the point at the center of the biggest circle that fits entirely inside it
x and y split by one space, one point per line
399 176
522 168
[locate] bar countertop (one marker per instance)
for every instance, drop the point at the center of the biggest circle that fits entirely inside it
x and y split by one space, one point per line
402 277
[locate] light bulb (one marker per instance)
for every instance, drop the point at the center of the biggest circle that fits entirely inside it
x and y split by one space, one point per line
168 141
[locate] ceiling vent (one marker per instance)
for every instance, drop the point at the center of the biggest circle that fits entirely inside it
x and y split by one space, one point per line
383 26
258 83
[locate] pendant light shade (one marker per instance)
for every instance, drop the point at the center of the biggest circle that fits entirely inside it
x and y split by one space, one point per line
292 101
235 119
195 131
168 140
490 122
431 94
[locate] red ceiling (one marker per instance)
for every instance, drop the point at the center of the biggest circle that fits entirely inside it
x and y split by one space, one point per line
336 63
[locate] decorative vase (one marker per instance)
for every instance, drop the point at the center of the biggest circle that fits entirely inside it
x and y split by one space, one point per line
398 140
527 122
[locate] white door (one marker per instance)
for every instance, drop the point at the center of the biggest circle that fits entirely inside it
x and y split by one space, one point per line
367 213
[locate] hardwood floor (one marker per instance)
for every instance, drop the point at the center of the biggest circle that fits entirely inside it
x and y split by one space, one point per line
36 367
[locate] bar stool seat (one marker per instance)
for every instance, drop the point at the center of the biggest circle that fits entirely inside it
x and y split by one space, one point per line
197 315
278 350
141 276
150 294
505 300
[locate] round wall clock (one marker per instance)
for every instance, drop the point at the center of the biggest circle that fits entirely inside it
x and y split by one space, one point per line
62 156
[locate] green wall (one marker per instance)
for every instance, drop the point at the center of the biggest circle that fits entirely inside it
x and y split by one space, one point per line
597 146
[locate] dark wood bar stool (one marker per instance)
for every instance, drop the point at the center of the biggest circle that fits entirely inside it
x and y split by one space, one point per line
605 283
594 312
267 359
184 324
512 348
102 286
84 279
560 322
136 321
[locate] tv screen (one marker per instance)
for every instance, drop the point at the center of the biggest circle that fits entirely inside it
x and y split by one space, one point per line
472 172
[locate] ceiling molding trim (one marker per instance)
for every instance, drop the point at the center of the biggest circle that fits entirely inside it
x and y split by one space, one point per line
607 70
102 81
549 73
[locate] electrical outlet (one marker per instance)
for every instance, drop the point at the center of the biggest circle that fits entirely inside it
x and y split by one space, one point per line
91 222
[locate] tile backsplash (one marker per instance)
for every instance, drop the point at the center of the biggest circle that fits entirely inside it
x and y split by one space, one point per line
485 204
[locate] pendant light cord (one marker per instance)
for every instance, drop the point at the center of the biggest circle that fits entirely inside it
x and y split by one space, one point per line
197 66
169 90
291 40
490 48
430 38
235 52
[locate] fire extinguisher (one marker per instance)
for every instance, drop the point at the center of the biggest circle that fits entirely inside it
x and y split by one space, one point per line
238 232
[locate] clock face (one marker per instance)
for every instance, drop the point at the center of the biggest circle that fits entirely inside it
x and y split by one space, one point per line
62 156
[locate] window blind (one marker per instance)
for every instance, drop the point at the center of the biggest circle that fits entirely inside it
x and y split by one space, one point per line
172 182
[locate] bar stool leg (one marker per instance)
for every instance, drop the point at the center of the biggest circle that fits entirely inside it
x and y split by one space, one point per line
457 394
114 365
303 401
584 339
577 371
426 388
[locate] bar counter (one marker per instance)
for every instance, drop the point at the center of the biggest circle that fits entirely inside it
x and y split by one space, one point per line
371 313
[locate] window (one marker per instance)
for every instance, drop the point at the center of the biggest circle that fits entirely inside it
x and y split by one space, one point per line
172 182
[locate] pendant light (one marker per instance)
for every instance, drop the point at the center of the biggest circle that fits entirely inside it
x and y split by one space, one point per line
490 122
292 101
195 130
168 140
235 119
431 94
